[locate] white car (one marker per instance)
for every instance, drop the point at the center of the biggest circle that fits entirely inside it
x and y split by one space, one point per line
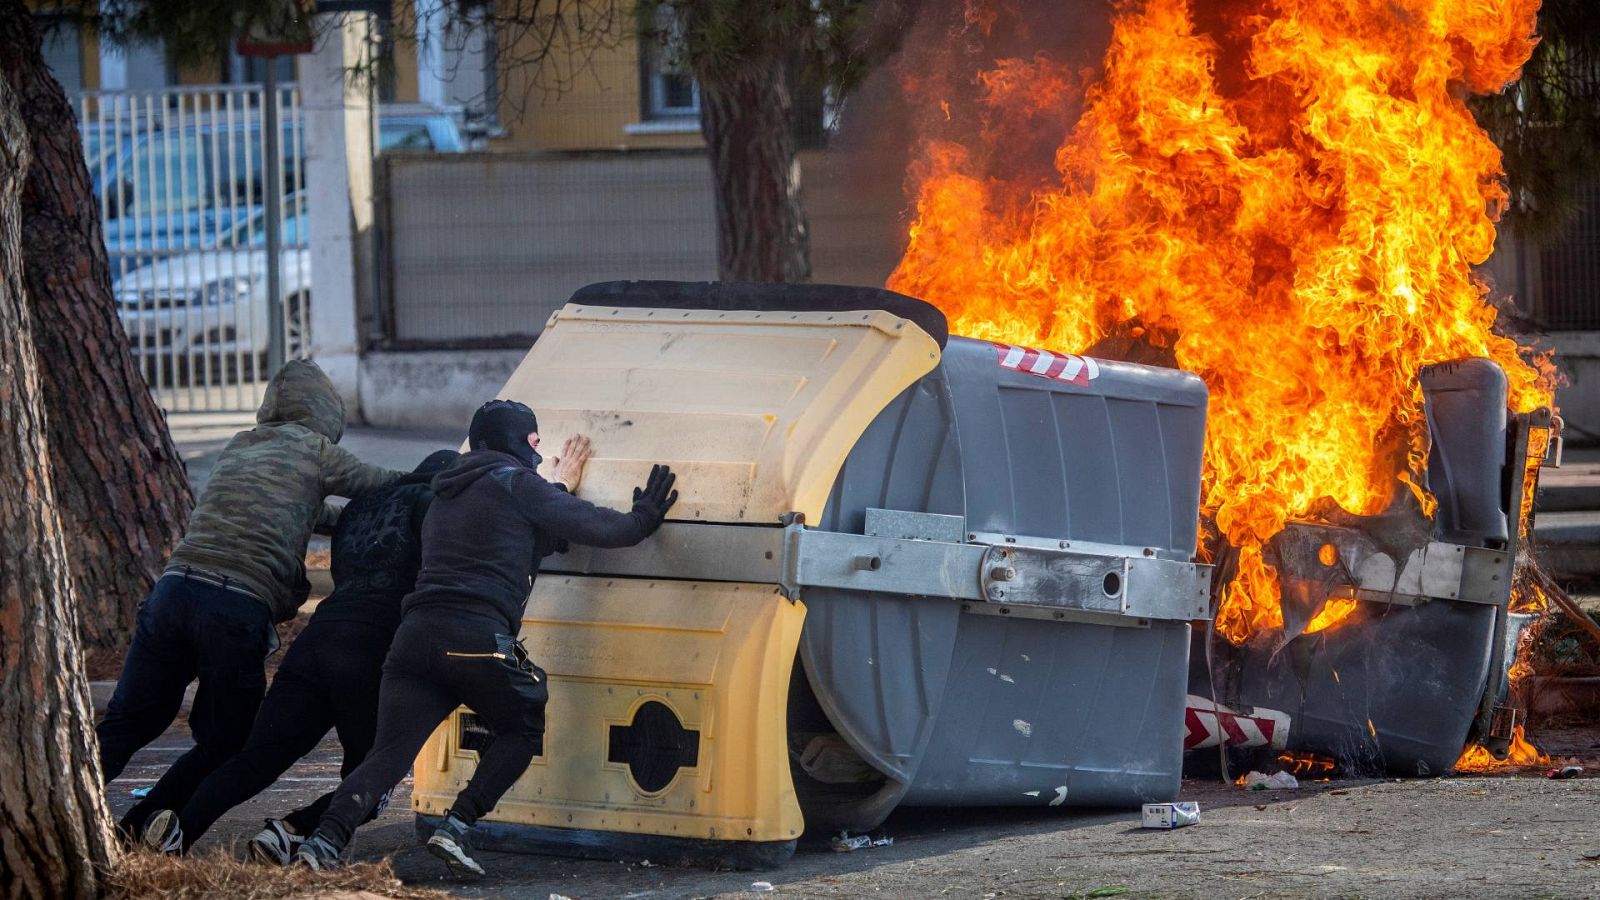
212 304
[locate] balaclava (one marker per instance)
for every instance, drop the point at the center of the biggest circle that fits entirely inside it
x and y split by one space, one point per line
504 425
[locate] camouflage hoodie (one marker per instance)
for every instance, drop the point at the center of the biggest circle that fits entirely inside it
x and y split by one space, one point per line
266 491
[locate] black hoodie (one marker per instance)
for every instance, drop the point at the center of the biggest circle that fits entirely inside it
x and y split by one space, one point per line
377 549
491 522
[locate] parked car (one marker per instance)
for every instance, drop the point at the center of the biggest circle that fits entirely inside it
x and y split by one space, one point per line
178 188
418 128
186 187
210 307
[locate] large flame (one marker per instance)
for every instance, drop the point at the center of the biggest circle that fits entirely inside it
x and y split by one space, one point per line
1289 203
1521 755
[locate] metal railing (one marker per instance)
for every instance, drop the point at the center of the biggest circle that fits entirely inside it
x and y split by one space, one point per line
190 190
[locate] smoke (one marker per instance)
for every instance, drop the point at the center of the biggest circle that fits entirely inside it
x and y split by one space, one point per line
931 93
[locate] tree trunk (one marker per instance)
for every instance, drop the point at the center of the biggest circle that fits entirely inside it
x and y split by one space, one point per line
745 118
55 828
120 484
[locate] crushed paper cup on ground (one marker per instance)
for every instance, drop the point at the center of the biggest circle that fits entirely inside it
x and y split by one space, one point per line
1171 815
1278 781
844 842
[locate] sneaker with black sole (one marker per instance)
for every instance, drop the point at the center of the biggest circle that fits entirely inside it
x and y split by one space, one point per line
317 854
275 844
449 843
162 833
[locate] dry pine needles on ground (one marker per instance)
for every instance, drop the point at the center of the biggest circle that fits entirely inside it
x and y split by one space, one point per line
217 875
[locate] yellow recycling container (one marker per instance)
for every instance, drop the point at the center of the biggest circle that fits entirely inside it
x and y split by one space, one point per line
666 733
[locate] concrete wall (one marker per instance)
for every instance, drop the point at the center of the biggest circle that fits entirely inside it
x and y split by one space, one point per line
1578 355
432 388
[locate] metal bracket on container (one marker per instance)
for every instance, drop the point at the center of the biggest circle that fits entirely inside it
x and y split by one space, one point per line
1355 566
1139 586
1113 585
1557 445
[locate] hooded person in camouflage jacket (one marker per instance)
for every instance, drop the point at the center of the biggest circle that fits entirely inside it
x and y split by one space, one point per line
233 576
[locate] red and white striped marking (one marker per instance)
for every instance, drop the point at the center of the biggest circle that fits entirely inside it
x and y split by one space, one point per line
1078 370
1207 724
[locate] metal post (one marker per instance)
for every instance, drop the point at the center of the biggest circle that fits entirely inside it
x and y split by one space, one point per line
273 159
1520 425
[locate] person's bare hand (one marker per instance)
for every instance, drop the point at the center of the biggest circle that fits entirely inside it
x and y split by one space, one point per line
568 464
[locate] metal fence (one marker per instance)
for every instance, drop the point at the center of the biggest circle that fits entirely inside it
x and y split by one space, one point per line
1564 293
480 249
486 247
201 193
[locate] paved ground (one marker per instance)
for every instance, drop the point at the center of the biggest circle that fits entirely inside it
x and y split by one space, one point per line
1500 837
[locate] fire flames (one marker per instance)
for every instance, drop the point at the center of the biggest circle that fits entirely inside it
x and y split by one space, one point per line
1309 765
1523 754
1287 199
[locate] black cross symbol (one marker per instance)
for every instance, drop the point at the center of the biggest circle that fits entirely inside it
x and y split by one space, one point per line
654 747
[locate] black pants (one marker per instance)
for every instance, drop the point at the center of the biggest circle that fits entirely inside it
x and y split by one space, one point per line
440 661
329 679
186 630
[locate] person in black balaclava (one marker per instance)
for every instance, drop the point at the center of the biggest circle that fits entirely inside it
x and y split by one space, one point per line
504 426
330 676
493 519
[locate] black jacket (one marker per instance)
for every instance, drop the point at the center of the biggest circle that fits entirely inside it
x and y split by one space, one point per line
491 523
377 552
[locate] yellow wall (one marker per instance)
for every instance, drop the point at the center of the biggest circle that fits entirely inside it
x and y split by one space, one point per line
91 59
593 113
404 61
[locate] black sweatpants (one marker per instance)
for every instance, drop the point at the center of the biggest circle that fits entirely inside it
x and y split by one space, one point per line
328 679
441 660
187 629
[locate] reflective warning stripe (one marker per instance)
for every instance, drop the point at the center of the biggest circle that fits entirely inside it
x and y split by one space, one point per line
1207 724
1079 370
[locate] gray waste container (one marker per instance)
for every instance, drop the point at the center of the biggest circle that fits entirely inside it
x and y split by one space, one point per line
916 701
1396 687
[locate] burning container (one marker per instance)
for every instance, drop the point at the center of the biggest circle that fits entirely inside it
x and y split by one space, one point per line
904 569
1419 667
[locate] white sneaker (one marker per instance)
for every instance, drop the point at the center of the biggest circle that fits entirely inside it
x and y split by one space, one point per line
449 843
274 845
317 855
162 833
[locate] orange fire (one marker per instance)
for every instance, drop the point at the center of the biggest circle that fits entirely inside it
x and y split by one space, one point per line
1523 754
1308 765
1288 202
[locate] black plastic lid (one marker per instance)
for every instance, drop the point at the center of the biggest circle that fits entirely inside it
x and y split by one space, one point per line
763 297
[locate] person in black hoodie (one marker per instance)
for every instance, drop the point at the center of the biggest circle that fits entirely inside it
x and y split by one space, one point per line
330 676
492 521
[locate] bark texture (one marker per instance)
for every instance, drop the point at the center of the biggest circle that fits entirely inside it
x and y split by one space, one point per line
55 827
745 118
122 493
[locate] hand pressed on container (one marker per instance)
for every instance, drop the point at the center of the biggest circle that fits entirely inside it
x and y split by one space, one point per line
567 467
